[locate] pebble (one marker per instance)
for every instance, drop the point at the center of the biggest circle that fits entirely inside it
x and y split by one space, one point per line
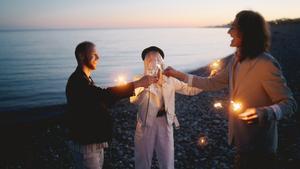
196 116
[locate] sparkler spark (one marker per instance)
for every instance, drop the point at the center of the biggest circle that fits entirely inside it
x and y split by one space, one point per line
216 64
218 105
121 80
236 106
159 66
215 67
202 141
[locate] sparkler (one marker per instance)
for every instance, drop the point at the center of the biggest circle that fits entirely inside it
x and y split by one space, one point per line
216 64
215 67
202 141
218 105
236 106
121 80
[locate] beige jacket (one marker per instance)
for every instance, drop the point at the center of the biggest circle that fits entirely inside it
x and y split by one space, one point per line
258 83
148 101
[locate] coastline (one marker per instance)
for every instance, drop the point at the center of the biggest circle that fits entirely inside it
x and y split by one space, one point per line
195 114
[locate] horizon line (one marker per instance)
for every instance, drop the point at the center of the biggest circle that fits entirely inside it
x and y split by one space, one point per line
97 28
224 25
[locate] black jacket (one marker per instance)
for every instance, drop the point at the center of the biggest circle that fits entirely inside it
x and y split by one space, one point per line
87 117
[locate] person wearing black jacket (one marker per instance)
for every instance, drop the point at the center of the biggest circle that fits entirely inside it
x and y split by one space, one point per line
87 118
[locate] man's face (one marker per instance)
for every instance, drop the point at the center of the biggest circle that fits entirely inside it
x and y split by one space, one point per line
235 34
92 58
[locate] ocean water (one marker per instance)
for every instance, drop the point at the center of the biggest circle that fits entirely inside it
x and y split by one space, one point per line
35 65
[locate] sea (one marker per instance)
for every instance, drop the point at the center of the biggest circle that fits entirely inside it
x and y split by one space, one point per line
35 64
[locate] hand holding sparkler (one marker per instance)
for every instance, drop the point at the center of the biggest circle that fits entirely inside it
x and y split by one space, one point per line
215 67
170 71
250 115
145 81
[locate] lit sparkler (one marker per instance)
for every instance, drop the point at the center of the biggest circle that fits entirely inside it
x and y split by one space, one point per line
216 64
202 141
218 105
236 106
215 67
121 80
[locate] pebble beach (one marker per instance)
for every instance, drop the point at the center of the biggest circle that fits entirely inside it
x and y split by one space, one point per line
45 147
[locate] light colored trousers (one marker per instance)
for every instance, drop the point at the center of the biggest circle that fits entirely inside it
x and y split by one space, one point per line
158 138
88 156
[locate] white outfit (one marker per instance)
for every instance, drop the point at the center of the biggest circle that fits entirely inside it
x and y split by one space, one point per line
156 133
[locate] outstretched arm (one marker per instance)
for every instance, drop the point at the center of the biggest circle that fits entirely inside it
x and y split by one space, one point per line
219 81
113 94
183 88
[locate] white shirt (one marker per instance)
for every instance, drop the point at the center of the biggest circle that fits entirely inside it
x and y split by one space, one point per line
151 100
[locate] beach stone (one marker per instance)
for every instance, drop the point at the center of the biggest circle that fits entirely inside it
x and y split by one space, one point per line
196 116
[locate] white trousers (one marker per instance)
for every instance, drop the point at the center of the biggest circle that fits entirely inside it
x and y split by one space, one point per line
158 138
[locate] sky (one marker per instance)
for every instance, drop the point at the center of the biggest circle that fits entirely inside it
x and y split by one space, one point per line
45 14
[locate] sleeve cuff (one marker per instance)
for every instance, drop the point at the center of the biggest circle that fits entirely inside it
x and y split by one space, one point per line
190 80
277 111
265 114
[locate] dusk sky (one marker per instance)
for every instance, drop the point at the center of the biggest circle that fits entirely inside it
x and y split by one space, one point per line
35 14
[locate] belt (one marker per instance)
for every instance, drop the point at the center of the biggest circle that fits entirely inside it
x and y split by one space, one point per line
161 113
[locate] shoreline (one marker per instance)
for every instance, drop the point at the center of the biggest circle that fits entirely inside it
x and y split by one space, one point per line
195 114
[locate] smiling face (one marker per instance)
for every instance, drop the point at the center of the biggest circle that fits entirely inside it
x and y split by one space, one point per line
92 58
235 34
